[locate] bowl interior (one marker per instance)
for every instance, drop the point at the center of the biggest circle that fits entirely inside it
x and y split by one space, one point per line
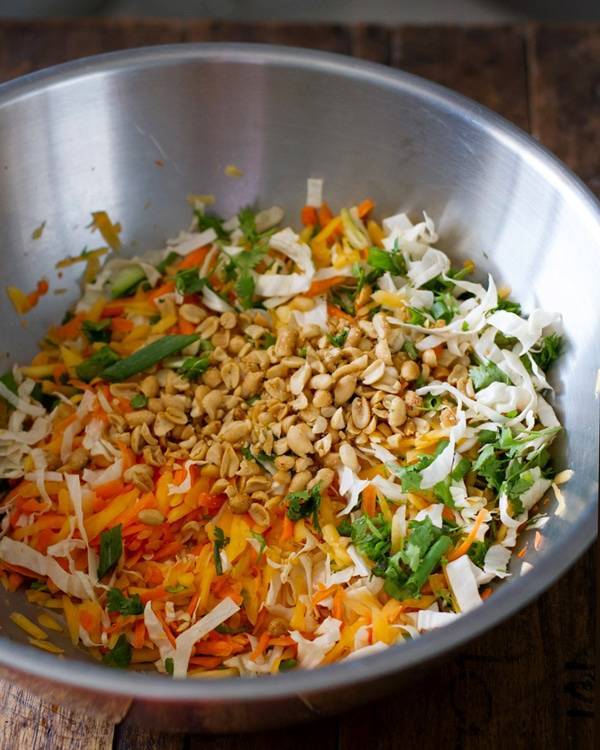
134 133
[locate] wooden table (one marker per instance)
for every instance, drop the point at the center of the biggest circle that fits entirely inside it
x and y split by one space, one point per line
530 682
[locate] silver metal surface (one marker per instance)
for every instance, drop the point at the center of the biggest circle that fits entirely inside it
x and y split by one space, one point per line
87 136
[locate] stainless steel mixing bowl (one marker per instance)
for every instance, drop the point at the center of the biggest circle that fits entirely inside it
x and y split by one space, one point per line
93 135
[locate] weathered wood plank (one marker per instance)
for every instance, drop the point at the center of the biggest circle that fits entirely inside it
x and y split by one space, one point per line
136 738
29 722
28 46
329 37
484 63
564 65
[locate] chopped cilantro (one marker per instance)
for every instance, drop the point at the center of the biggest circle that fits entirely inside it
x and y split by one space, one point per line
247 220
338 339
286 664
416 317
382 260
444 307
372 537
509 306
169 665
93 366
551 349
345 527
219 543
268 340
99 331
193 367
111 549
487 373
211 221
118 602
189 281
244 289
167 261
305 503
139 401
410 349
120 655
489 466
477 552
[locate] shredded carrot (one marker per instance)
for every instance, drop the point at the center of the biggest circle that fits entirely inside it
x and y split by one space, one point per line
323 594
309 216
261 646
186 327
364 208
464 547
338 604
369 500
139 634
160 291
110 489
287 529
122 325
325 215
335 312
321 286
195 258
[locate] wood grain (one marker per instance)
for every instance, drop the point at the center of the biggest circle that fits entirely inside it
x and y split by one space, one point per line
564 66
487 64
530 682
30 723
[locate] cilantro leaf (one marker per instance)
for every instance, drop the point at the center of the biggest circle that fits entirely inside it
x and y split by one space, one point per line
118 602
93 366
219 543
305 503
383 260
338 339
139 401
422 535
399 586
487 373
244 289
169 665
261 541
372 536
551 349
189 281
410 476
268 340
489 466
211 221
247 221
509 306
477 552
286 664
167 261
416 317
444 307
120 654
193 367
100 331
111 549
461 468
410 349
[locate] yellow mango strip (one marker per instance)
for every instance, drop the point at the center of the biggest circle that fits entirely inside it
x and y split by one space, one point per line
388 299
27 625
421 603
95 524
213 674
46 646
162 492
46 621
375 233
385 507
333 539
72 618
297 621
164 324
109 231
238 537
34 596
38 371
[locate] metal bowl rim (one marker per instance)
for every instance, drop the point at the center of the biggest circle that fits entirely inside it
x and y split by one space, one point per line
508 599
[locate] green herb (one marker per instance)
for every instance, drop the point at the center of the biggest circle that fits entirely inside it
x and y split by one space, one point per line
118 602
551 349
120 655
244 289
305 503
410 349
444 307
219 543
489 467
94 366
487 373
252 399
410 588
338 339
372 537
38 586
146 357
464 326
461 468
509 306
193 367
8 379
167 261
422 535
247 221
111 549
302 351
487 436
211 221
345 527
507 342
442 491
410 476
432 403
139 401
268 340
477 552
169 665
382 260
189 281
286 664
99 331
126 280
416 317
